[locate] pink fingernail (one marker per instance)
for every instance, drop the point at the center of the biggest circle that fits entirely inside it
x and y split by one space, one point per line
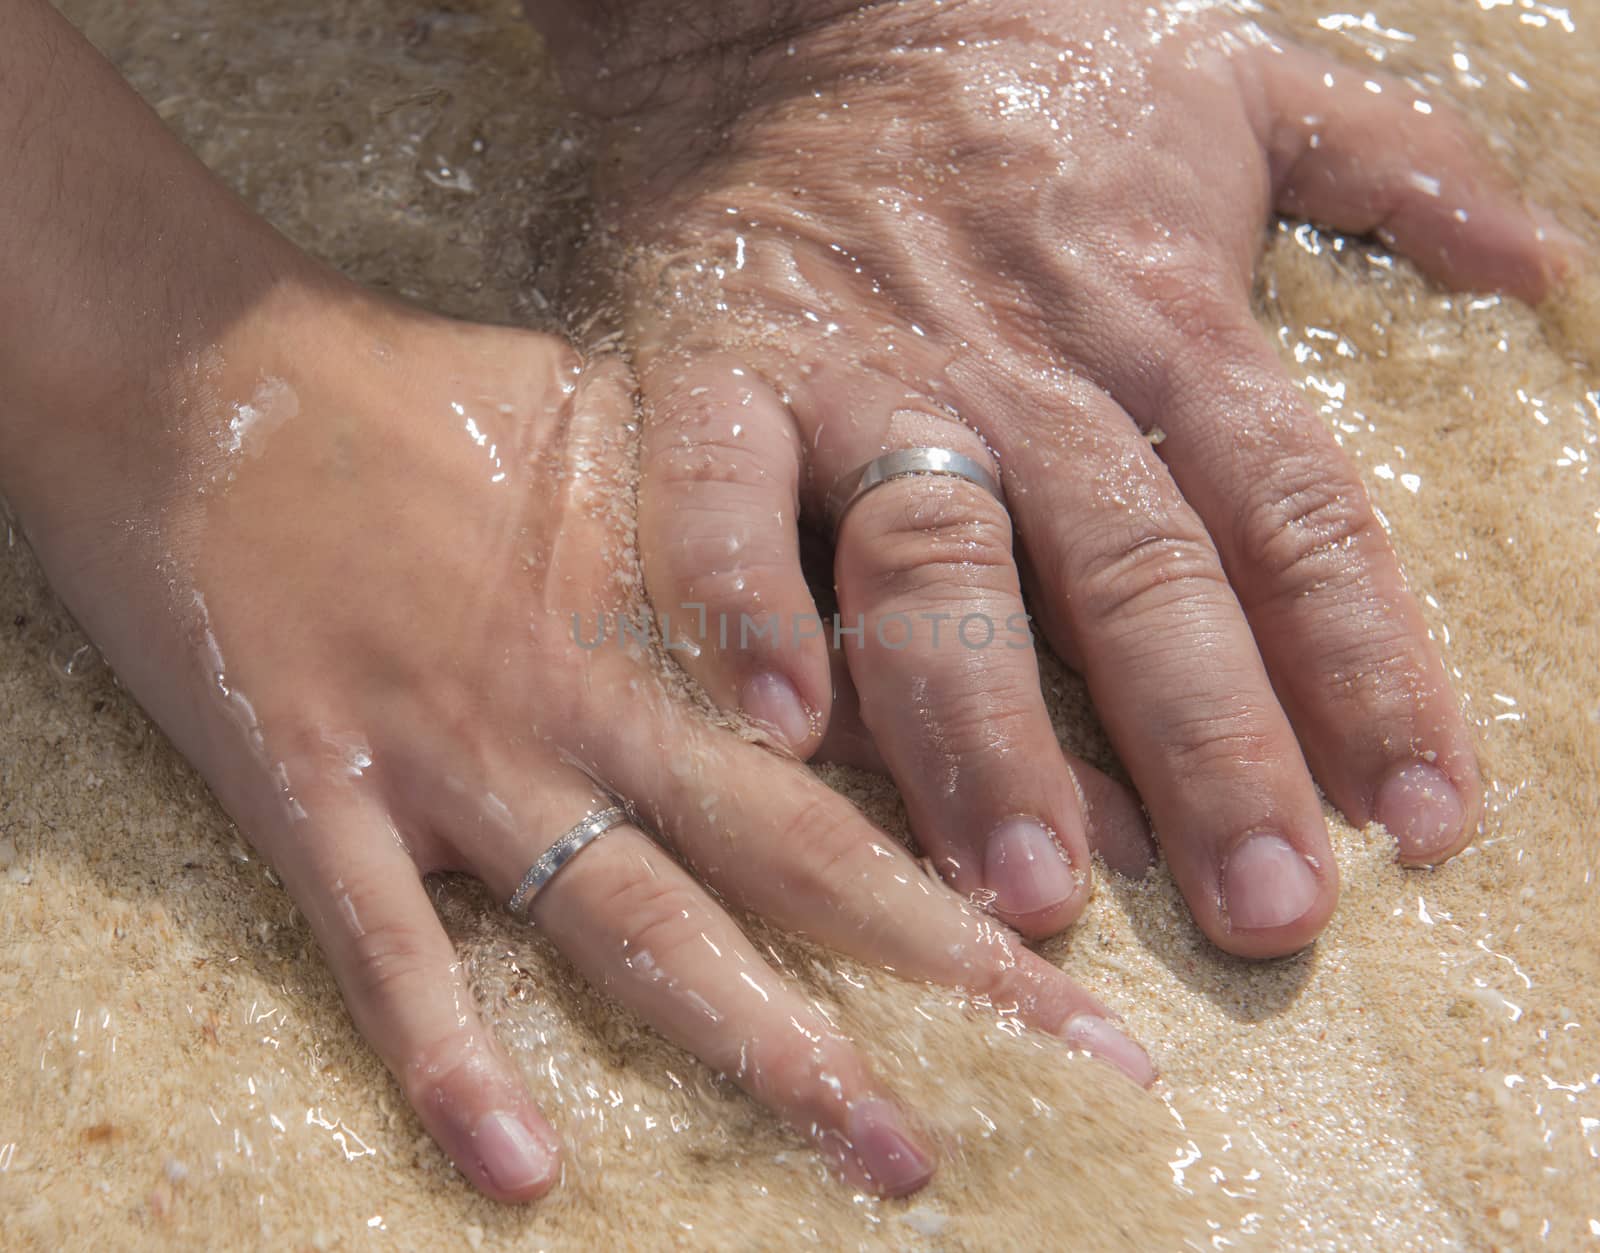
1420 807
1267 884
1025 868
770 699
1098 1038
511 1154
892 1162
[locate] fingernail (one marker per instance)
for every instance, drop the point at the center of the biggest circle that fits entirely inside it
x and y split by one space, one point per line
770 699
893 1163
1420 807
514 1158
1025 868
1098 1038
1267 884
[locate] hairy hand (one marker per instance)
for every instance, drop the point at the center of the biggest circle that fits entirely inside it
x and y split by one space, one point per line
1025 231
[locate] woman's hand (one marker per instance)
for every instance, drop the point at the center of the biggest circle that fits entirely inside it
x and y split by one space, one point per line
367 609
345 554
1025 231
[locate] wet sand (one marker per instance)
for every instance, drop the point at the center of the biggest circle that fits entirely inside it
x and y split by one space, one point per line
176 1067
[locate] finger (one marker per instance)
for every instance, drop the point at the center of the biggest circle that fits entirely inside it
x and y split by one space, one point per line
943 664
1012 780
942 659
1363 152
1132 579
1117 828
719 541
848 742
640 929
399 974
958 714
1344 642
767 836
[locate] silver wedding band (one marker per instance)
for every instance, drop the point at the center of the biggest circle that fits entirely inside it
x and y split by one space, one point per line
898 465
560 853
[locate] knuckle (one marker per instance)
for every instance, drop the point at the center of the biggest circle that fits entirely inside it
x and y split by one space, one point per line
794 1069
653 913
718 439
1373 673
979 729
822 841
386 960
1221 741
934 537
720 568
685 467
1199 306
1362 653
1311 527
996 972
826 851
1145 568
431 1071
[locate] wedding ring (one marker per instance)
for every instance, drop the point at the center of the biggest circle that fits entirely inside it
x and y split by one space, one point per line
902 464
566 847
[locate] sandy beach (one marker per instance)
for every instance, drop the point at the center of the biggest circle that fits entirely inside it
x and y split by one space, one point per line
176 1067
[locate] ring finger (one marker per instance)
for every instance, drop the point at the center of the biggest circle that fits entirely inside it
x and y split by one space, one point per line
941 655
641 930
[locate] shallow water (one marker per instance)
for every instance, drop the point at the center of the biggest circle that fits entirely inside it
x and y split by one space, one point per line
177 1065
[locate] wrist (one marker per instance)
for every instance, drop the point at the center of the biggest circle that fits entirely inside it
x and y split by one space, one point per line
127 272
119 438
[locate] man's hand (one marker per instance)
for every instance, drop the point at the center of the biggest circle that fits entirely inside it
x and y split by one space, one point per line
1025 231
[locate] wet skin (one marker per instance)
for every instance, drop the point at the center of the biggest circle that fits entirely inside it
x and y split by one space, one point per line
1026 231
335 547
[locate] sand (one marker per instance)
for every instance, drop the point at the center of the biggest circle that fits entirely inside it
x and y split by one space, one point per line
176 1069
